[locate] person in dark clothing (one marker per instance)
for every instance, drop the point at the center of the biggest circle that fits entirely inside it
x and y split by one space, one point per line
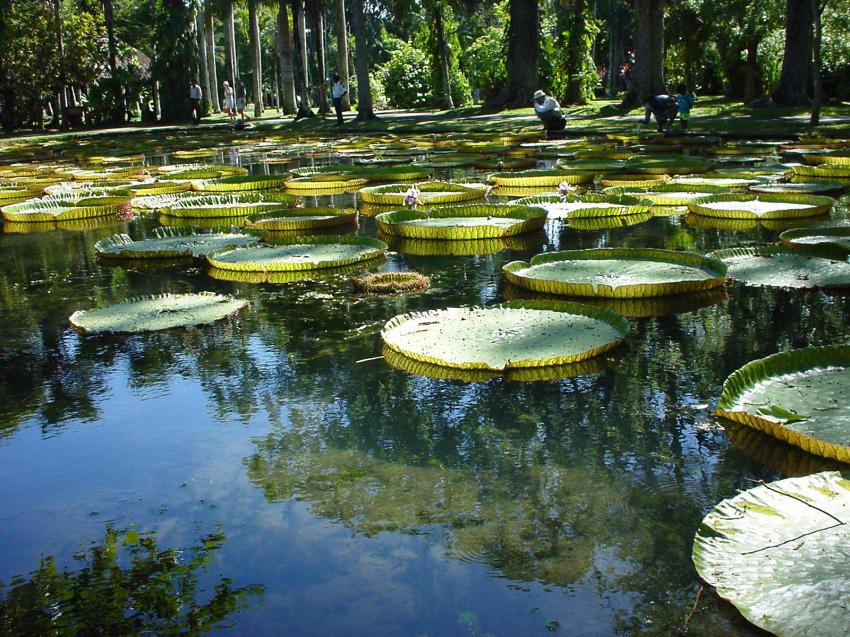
664 108
339 91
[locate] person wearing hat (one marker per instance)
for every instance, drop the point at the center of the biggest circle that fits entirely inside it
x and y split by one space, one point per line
549 111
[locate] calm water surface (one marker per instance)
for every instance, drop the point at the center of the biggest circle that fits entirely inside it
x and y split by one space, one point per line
303 490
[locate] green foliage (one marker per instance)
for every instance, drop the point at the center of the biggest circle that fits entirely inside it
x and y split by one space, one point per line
484 58
125 585
458 84
406 76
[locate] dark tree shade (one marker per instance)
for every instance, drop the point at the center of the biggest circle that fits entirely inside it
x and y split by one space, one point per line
648 74
523 34
793 87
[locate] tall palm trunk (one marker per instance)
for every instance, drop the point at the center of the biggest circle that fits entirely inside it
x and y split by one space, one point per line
202 55
256 56
361 44
648 73
230 45
61 86
209 34
523 40
442 57
317 13
117 97
342 50
300 53
284 52
817 10
794 80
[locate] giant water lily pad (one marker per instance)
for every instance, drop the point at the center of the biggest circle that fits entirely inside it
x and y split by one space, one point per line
832 241
301 253
800 397
431 192
758 206
159 312
665 194
232 205
60 209
801 188
587 206
305 219
511 335
537 178
169 243
240 183
779 553
470 222
777 266
617 272
322 182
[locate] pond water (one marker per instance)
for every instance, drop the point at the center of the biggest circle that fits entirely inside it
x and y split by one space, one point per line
307 487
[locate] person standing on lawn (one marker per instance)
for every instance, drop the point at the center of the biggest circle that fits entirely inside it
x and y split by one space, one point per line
195 97
339 92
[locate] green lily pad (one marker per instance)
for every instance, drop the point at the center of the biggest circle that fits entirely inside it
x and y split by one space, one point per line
62 209
802 188
170 243
828 241
799 397
779 552
536 178
239 183
785 206
511 335
777 266
228 205
665 194
301 253
470 222
617 272
305 219
159 312
431 192
587 206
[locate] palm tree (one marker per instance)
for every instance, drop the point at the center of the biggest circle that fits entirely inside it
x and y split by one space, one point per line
361 45
300 53
256 56
117 98
342 50
523 36
230 43
317 12
212 73
284 52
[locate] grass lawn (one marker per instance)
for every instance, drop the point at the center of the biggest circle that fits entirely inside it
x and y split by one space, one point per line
711 115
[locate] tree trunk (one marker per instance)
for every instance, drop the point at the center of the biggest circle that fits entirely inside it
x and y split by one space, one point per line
648 74
284 52
523 43
60 88
230 45
212 73
342 51
300 22
793 88
752 88
616 53
361 44
200 18
576 52
320 78
300 54
256 56
117 98
445 87
817 9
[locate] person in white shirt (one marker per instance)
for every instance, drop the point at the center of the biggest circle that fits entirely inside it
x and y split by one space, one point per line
229 103
195 97
549 111
339 91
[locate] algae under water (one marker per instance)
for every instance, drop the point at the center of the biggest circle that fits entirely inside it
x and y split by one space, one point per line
350 497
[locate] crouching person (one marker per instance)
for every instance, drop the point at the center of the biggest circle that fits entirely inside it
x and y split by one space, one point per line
549 112
664 108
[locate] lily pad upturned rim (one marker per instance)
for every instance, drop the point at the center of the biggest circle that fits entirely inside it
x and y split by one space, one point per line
535 178
36 210
616 321
765 548
378 248
298 219
816 205
239 183
624 204
228 205
770 250
394 194
714 267
757 371
326 182
528 218
233 305
829 249
121 246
